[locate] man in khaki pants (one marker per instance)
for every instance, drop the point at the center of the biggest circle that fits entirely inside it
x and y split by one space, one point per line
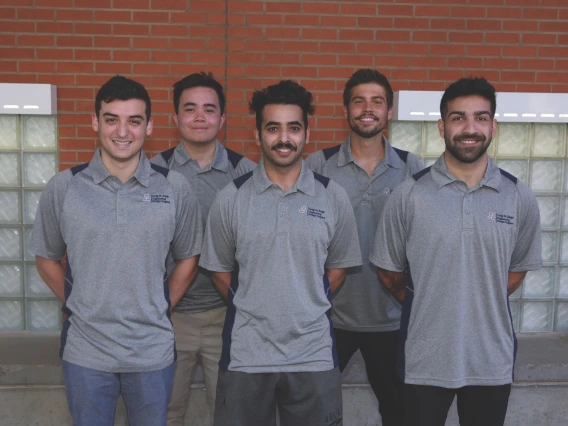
198 319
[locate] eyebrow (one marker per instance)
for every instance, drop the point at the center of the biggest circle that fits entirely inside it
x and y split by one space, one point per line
110 114
484 112
290 123
194 104
372 97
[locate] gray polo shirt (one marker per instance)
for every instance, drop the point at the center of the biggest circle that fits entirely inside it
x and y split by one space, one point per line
278 245
459 245
363 304
117 237
227 165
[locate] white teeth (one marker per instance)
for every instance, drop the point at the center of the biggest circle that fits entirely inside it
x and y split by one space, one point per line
122 143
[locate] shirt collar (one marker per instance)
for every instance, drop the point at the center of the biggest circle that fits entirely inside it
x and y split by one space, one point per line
442 176
220 160
99 172
391 158
305 182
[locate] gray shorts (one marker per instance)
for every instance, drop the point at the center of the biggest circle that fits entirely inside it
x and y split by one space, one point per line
302 399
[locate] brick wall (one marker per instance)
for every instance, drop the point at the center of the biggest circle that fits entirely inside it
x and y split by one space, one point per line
520 45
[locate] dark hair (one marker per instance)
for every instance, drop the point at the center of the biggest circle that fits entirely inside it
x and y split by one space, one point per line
123 89
287 92
469 86
363 76
199 79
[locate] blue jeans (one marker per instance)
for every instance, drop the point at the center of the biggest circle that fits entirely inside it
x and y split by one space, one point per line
92 395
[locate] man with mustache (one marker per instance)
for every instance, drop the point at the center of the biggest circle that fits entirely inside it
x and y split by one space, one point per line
198 318
278 241
365 316
454 241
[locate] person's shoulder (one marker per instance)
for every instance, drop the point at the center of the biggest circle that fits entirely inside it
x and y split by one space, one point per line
239 162
61 180
163 158
318 159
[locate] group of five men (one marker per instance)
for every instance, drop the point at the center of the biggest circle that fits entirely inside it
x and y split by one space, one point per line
247 258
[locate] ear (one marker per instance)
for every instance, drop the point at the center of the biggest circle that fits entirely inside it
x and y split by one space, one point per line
494 129
175 118
345 112
441 127
222 121
257 136
150 127
389 114
95 122
308 135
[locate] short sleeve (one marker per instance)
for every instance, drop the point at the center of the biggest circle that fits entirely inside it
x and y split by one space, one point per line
158 160
527 254
389 248
344 250
414 164
47 239
188 235
218 254
315 162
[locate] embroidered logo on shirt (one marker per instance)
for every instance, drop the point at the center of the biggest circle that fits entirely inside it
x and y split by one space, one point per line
160 199
501 218
146 197
387 191
303 209
320 214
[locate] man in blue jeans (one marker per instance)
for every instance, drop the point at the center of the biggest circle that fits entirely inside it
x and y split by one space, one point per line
116 218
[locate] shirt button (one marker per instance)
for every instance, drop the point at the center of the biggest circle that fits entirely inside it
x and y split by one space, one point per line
281 214
467 211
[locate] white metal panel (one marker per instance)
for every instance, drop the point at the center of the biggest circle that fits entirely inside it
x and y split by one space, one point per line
28 99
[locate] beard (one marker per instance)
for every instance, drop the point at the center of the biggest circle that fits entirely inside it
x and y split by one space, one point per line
367 133
467 154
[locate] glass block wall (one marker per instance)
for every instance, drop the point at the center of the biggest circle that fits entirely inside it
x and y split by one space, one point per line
28 159
536 154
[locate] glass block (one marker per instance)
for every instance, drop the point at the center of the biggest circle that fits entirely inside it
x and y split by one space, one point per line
434 142
39 131
563 283
549 140
9 207
9 169
31 201
513 139
43 315
563 248
28 255
9 132
537 316
38 169
406 135
518 168
515 314
9 243
517 293
429 161
34 285
11 315
546 175
10 280
562 316
549 246
549 211
539 283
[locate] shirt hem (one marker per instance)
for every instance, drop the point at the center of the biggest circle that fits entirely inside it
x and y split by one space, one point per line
284 368
345 264
128 369
524 268
195 310
215 268
459 383
385 265
367 329
186 256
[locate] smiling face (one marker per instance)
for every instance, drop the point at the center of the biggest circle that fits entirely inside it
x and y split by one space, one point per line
122 129
367 112
283 135
468 128
199 117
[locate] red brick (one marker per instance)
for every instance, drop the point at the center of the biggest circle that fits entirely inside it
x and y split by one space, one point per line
447 49
504 12
211 44
395 10
338 21
554 27
130 29
19 78
375 22
75 67
168 57
319 33
436 36
73 15
284 7
552 77
374 48
256 58
245 6
358 9
540 13
523 25
36 14
466 63
36 67
447 24
518 76
445 75
151 17
360 60
7 40
56 79
428 62
264 19
502 38
169 30
149 43
356 34
484 25
235 19
321 8
67 156
7 13
483 50
298 72
561 65
213 31
392 35
17 27
466 37
303 20
317 59
410 49
130 55
281 33
35 40
191 44
112 42
96 29
99 4
189 18
537 64
468 12
218 18
498 63
553 52
431 11
74 41
208 57
245 32
53 3
426 85
8 66
533 88
262 71
300 46
264 46
74 93
113 68
54 27
400 23
113 16
135 4
525 51
57 54
540 38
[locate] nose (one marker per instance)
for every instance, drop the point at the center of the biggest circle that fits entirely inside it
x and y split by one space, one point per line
470 126
199 115
122 129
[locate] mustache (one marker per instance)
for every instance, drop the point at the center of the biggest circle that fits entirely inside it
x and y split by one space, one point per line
281 145
469 136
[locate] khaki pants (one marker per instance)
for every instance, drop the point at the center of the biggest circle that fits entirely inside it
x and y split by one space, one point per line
195 333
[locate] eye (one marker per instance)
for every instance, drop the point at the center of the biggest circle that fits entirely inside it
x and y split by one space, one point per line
457 118
135 122
295 128
189 110
210 111
110 120
482 118
272 129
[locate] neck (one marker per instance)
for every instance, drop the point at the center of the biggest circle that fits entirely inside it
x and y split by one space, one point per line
123 170
470 173
203 153
367 149
284 177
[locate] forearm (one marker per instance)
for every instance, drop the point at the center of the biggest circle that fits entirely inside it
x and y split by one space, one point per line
222 282
395 283
181 277
53 274
515 279
336 278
